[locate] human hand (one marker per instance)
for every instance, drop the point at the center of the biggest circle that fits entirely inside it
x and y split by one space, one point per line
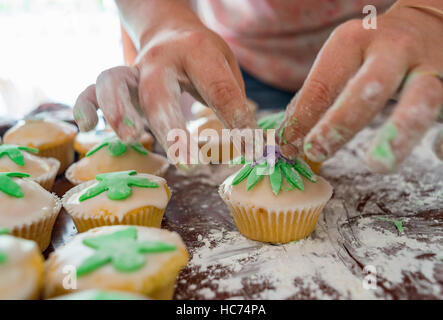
174 56
353 77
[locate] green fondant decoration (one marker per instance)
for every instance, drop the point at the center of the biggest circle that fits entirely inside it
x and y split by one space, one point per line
128 122
282 132
139 148
397 223
9 186
382 150
276 179
107 295
116 147
303 168
117 184
3 256
292 176
273 121
242 174
14 153
282 169
307 146
122 249
255 176
238 160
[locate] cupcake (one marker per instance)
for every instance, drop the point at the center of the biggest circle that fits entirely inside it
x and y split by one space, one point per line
27 210
113 155
123 197
273 121
15 158
21 268
211 143
85 141
214 149
275 199
101 295
132 259
53 138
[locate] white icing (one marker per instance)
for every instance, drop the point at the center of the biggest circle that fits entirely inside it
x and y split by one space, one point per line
140 197
87 140
101 162
34 166
261 195
36 204
164 264
19 274
39 133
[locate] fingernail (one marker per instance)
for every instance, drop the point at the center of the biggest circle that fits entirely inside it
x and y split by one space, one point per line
85 116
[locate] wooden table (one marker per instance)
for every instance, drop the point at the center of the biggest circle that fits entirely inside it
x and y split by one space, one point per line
352 234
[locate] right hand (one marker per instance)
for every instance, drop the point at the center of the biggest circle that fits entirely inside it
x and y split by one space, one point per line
174 57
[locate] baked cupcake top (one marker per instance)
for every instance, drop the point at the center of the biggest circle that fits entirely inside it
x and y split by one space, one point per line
23 201
18 158
276 182
117 193
113 155
21 267
40 133
85 141
128 258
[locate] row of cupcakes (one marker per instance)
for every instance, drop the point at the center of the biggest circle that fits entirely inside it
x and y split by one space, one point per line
108 206
110 262
56 140
109 253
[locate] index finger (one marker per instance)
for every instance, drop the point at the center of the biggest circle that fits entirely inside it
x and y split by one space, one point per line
217 85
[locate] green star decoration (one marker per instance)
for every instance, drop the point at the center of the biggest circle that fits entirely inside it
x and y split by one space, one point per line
9 186
116 147
4 231
118 185
122 250
14 153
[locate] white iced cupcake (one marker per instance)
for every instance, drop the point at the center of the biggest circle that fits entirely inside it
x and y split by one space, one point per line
113 155
278 205
14 158
21 268
123 197
139 260
26 209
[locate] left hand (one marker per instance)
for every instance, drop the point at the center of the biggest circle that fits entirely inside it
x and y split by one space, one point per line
353 77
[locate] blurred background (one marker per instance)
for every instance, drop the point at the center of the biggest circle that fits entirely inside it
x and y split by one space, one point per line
51 50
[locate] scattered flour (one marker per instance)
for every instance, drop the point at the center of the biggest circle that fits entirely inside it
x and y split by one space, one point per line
329 263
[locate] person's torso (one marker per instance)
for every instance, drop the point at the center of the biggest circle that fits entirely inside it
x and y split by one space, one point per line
277 40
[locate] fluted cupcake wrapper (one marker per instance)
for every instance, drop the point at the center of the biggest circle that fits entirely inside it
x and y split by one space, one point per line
47 180
274 226
148 216
63 153
40 230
